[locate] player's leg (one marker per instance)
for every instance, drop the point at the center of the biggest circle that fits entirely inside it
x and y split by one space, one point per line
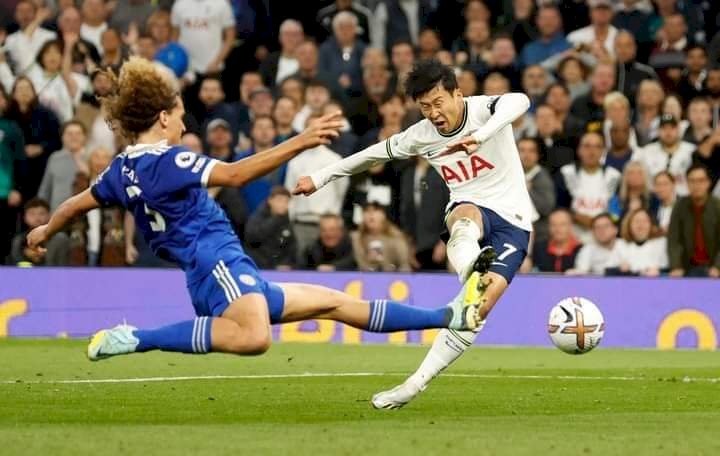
467 228
305 301
448 344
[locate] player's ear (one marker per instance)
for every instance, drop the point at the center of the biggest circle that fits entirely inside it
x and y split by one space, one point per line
163 118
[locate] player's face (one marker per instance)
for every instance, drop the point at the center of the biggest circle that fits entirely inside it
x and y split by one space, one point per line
444 109
174 125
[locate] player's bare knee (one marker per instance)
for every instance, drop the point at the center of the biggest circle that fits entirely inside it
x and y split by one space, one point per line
258 342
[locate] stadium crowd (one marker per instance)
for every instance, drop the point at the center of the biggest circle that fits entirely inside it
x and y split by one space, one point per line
621 146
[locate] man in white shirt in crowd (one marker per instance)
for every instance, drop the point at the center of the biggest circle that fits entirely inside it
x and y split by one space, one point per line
669 153
586 187
206 29
283 63
305 213
598 38
94 22
603 252
23 46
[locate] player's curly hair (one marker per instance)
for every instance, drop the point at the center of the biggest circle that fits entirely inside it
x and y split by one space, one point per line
139 93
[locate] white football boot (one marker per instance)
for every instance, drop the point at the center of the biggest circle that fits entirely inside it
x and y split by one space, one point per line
110 342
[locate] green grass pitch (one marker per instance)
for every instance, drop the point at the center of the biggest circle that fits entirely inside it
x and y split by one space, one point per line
494 401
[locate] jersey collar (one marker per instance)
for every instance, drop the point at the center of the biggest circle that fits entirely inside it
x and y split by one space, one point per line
462 124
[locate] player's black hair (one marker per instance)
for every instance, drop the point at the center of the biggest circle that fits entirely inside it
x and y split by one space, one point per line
426 75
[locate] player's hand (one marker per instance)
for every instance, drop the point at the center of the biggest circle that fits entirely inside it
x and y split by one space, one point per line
36 238
305 186
322 130
467 144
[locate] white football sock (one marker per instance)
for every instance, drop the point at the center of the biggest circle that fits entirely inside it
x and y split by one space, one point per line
463 247
446 348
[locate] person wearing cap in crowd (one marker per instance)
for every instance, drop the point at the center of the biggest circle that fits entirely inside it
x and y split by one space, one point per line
669 153
598 38
269 237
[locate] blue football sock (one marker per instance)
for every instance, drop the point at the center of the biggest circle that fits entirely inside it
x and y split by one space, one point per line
389 316
191 336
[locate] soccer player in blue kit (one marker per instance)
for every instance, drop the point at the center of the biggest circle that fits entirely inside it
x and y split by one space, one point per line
163 185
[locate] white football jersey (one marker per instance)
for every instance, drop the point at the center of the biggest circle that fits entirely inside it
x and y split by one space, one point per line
492 177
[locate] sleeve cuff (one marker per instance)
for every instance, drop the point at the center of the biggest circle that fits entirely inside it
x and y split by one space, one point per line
207 171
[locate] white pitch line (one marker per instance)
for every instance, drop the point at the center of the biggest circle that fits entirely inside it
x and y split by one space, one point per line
343 374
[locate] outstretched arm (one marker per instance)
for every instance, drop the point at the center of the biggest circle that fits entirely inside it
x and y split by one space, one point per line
243 171
68 210
506 109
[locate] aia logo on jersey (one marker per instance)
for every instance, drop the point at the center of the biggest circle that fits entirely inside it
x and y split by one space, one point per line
462 172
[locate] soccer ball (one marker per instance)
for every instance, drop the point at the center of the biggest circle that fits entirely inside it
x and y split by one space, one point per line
576 325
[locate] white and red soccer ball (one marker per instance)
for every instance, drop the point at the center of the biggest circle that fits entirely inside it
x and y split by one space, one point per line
576 325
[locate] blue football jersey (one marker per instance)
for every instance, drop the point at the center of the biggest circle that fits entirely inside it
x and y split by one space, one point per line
163 187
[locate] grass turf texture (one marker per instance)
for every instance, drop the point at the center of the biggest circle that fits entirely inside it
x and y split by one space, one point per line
658 411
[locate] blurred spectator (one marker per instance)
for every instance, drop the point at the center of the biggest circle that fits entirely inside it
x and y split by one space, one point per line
558 98
573 73
218 138
333 250
551 41
362 14
127 12
669 153
94 16
473 49
90 114
712 90
634 192
586 187
670 51
345 144
61 87
374 57
620 151
305 212
11 151
558 252
672 105
396 20
283 63
700 119
364 113
521 25
467 83
212 99
633 16
269 237
317 95
260 103
379 245
193 142
429 44
207 33
503 60
708 154
63 165
113 52
630 73
340 55
22 46
663 199
648 103
284 112
250 81
694 231
99 160
555 149
540 186
41 132
167 50
37 213
307 57
694 73
645 249
263 137
534 83
603 252
402 57
617 111
589 108
598 38
424 196
85 56
495 84
293 88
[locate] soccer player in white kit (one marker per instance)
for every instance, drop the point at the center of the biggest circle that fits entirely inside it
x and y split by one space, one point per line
470 142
